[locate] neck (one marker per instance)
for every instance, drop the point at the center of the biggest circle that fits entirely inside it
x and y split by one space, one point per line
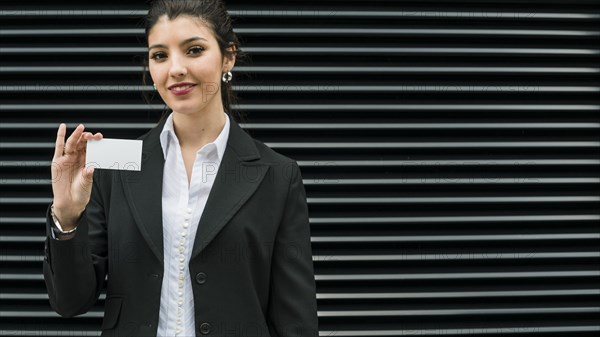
196 130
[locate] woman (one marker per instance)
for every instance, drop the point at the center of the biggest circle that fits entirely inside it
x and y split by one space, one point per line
211 237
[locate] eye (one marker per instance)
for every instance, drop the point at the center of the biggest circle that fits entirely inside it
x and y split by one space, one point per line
157 56
195 50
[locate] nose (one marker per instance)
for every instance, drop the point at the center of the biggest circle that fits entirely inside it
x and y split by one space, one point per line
178 67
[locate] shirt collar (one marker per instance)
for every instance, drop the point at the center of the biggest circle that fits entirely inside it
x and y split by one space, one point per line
168 134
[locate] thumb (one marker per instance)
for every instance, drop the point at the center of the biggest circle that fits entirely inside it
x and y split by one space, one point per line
88 175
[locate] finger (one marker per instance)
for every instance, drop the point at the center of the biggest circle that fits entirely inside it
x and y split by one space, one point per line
71 145
90 136
78 143
60 140
95 136
86 136
82 143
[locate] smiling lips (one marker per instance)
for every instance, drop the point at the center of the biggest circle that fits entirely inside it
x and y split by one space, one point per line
181 88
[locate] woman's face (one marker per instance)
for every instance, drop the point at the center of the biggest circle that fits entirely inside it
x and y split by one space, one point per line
185 51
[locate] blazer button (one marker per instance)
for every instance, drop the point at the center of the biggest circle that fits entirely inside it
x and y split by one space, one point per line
205 328
201 279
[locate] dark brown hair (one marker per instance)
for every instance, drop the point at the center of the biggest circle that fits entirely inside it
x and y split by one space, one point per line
214 14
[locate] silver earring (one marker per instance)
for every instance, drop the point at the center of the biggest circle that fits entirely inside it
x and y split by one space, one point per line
154 86
227 77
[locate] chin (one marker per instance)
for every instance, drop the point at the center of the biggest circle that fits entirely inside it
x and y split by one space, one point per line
186 109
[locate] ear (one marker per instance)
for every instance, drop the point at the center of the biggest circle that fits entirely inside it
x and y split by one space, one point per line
229 61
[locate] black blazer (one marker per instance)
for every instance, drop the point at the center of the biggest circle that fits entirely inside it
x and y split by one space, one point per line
251 264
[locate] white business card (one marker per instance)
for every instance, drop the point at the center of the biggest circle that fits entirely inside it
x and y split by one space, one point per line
114 154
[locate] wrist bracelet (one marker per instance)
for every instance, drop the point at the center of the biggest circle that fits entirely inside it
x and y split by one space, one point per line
57 224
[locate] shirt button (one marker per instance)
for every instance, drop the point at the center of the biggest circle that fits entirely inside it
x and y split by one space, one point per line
201 278
205 328
189 210
185 225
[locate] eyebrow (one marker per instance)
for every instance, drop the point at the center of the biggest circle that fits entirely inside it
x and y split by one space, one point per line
193 38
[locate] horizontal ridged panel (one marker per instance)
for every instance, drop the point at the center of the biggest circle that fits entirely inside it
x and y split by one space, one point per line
450 152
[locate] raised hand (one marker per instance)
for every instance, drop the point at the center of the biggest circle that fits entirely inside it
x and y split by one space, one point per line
71 180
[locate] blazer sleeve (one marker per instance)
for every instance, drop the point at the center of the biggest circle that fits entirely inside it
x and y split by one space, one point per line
292 299
75 269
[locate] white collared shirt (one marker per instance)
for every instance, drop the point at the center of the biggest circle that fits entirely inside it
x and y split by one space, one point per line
181 212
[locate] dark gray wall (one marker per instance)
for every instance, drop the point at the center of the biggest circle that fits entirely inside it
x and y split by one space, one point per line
450 152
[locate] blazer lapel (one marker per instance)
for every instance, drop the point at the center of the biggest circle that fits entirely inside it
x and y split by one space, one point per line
143 190
236 180
238 177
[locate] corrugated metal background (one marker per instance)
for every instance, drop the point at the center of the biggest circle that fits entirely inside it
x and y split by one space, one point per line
450 152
